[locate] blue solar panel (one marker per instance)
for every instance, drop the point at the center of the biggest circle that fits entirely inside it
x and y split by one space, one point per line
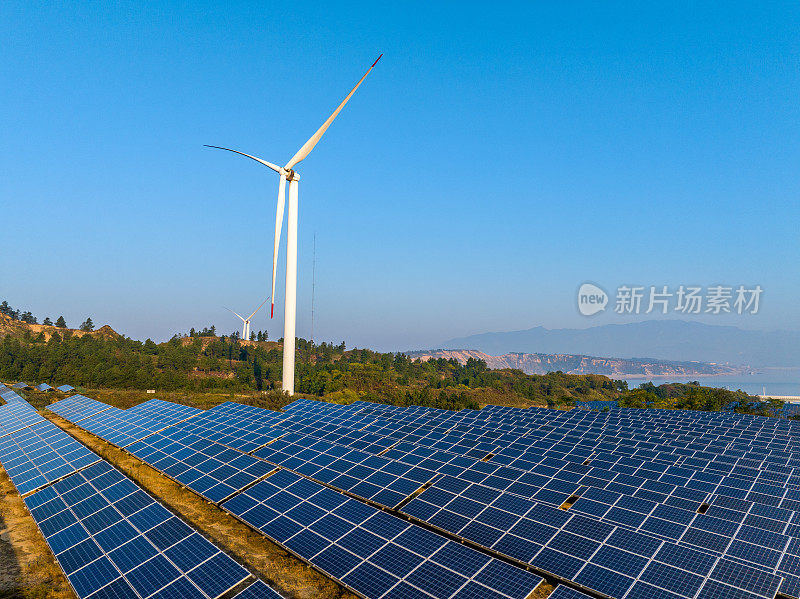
77 408
562 592
16 416
40 454
258 590
163 411
120 548
353 541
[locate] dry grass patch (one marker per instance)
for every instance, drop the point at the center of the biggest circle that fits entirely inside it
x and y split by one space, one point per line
542 591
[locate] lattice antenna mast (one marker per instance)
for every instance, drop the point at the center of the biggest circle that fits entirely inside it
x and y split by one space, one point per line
313 287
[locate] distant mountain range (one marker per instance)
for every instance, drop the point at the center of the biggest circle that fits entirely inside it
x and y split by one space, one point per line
674 340
578 364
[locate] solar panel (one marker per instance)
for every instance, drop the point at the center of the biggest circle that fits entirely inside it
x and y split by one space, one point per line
257 590
369 551
210 469
11 397
574 547
40 454
120 428
16 416
77 408
232 429
163 411
113 540
363 474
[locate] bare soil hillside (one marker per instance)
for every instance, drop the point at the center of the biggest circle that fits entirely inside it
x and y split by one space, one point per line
18 328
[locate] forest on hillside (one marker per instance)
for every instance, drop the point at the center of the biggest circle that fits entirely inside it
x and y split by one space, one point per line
227 364
203 362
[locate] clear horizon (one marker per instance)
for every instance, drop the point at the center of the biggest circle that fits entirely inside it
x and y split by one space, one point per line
483 172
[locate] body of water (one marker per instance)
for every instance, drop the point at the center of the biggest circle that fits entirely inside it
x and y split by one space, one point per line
783 381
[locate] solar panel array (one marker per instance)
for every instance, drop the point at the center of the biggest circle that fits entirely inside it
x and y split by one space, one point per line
112 540
17 415
9 395
488 532
368 476
627 503
163 411
562 454
285 506
229 424
77 407
257 590
121 427
207 468
373 553
41 454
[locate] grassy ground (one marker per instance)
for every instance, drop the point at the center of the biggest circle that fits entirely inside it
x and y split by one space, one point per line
27 568
262 557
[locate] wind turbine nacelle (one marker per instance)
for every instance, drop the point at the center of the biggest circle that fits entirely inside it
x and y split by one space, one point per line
292 175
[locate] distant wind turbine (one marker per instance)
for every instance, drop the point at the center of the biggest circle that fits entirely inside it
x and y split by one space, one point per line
246 321
288 174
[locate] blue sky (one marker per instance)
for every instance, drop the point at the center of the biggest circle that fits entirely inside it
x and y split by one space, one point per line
495 159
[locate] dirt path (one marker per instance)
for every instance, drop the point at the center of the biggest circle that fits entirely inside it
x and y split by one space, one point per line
274 565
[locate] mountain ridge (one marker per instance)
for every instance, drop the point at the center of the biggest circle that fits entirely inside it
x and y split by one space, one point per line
674 340
537 363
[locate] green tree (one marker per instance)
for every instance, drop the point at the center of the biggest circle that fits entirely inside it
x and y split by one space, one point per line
61 323
47 322
87 325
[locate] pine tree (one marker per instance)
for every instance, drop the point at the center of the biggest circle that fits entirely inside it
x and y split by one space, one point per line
87 325
61 323
47 321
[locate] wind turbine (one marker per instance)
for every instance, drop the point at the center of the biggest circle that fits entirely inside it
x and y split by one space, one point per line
246 321
287 173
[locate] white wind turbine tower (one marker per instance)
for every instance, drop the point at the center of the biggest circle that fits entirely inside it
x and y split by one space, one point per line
288 174
246 321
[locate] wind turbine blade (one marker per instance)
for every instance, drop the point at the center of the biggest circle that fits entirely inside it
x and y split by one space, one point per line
274 167
257 309
309 145
237 314
278 224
